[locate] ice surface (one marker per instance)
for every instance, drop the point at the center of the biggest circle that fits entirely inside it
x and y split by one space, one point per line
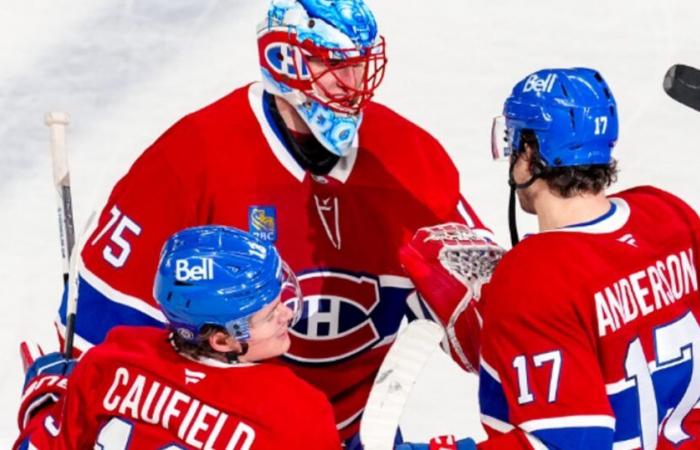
126 69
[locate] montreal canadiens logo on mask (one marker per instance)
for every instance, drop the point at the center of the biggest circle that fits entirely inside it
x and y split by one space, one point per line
286 60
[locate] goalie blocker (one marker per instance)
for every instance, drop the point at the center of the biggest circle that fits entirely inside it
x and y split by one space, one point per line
449 263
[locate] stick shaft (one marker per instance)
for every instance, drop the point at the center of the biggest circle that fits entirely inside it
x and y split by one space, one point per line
397 375
57 122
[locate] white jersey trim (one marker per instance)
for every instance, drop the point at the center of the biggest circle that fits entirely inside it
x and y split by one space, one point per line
416 303
608 225
349 420
505 427
581 421
496 424
490 370
341 171
255 98
343 168
623 384
119 297
395 281
629 444
618 386
536 443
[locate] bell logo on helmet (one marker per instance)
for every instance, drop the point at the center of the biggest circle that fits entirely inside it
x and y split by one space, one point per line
540 85
183 271
286 60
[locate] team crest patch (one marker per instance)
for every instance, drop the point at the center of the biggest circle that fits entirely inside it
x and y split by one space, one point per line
262 222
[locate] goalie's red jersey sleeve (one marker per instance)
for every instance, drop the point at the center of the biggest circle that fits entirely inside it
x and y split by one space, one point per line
118 259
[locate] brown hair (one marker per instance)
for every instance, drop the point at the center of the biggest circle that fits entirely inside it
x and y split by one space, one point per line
198 348
568 181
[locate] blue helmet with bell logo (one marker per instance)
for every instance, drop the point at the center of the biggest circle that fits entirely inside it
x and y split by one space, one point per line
216 275
572 113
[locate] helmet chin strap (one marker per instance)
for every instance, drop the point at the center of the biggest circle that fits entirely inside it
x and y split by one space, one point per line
232 357
512 221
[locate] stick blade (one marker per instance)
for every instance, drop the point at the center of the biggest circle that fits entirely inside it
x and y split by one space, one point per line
682 83
397 376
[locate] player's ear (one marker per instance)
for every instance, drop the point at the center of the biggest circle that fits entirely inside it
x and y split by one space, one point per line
223 342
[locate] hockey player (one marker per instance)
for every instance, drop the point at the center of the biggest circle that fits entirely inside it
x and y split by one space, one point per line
590 332
306 160
204 382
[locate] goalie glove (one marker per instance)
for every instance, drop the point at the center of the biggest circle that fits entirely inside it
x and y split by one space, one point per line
448 264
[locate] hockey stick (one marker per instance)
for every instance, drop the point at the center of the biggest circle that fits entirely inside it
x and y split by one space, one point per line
392 386
682 83
57 122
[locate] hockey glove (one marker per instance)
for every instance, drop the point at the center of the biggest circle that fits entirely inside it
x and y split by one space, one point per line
45 381
440 443
448 264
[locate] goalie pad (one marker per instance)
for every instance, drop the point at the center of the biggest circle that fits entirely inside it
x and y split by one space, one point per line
448 264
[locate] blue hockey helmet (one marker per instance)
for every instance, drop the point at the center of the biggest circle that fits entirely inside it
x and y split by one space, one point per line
326 59
216 275
571 111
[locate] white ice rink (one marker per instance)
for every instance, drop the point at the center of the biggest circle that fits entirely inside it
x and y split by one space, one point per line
127 69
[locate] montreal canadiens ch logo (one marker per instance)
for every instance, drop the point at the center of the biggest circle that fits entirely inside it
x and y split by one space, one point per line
286 60
335 321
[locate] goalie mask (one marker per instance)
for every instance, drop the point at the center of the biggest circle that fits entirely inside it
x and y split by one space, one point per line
326 59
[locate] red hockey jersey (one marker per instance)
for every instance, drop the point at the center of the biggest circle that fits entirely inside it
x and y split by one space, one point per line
227 164
136 392
591 336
